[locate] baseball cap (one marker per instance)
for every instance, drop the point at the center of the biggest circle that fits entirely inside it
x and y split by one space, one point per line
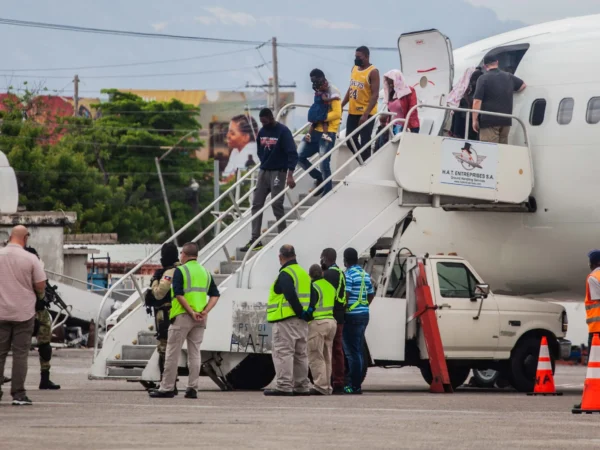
594 256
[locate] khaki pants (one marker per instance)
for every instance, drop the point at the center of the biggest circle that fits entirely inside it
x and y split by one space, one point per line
290 356
18 336
499 135
320 346
184 328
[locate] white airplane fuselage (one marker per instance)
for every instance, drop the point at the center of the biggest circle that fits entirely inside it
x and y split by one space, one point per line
545 251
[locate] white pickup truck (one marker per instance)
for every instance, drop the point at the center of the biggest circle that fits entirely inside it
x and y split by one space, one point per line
479 330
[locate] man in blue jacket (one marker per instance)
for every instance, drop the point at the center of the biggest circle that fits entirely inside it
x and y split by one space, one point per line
278 159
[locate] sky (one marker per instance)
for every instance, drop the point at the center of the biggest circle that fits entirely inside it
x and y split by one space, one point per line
214 66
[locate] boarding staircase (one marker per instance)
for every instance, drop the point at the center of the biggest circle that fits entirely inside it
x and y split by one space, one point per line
369 200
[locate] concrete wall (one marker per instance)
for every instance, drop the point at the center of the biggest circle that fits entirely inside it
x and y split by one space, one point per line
76 266
48 241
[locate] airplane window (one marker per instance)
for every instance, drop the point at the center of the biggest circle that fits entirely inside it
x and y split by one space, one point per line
593 111
565 111
538 110
509 57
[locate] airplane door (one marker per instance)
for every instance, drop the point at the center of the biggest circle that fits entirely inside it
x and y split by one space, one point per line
427 63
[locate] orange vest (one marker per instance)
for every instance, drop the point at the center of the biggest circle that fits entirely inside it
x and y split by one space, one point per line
592 308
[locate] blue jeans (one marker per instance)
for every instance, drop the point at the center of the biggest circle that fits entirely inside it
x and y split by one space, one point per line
320 146
354 341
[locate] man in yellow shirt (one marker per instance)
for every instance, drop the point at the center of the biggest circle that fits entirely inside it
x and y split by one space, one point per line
362 96
317 141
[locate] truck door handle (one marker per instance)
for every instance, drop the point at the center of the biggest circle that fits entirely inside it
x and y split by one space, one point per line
445 305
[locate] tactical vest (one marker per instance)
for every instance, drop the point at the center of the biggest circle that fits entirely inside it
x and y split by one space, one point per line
196 281
278 308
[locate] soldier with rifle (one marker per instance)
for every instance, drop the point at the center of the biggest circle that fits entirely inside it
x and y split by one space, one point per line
158 299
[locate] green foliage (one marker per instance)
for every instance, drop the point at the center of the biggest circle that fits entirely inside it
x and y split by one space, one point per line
105 170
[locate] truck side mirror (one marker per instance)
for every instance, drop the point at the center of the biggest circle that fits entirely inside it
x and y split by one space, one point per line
482 291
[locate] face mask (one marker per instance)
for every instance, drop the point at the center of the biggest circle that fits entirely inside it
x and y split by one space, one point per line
324 266
358 62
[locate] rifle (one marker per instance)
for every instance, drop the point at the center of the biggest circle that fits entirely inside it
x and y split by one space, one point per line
52 296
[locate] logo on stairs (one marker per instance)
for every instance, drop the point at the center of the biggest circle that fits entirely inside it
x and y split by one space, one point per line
466 164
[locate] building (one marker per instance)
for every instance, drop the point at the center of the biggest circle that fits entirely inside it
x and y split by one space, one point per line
216 110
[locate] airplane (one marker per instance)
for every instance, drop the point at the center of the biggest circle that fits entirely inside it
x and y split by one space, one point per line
542 254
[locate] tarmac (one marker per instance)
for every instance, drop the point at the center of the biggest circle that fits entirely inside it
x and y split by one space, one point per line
396 411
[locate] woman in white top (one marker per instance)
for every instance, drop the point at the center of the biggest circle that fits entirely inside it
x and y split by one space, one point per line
241 140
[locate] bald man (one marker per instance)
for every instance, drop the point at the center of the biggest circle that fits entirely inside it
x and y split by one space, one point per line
23 281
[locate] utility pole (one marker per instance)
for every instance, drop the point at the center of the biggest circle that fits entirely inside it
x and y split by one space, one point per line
76 96
275 78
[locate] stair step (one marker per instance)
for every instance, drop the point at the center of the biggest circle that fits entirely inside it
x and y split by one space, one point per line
123 363
270 223
229 267
138 352
219 278
311 201
269 237
122 372
147 338
302 209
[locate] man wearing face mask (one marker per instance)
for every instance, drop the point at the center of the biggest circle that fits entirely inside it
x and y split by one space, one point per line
362 96
278 159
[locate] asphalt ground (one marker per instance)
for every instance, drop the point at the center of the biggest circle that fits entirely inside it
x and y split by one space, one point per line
396 411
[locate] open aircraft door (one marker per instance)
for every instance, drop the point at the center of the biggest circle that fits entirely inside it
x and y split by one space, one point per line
427 63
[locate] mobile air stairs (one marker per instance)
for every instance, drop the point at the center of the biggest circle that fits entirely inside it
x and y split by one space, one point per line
370 199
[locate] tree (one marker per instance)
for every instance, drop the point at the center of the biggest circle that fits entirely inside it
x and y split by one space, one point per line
104 169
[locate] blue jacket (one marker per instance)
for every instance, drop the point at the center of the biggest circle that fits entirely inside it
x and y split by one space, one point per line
277 148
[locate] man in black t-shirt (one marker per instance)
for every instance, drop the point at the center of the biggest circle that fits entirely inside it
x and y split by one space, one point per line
494 93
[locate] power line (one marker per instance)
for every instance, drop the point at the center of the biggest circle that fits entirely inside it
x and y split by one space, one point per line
145 75
315 55
52 26
102 127
146 63
45 172
110 144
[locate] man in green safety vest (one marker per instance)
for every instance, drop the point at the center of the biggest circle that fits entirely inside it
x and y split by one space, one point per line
336 276
321 332
290 306
194 294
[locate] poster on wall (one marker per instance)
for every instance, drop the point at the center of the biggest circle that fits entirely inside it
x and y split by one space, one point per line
240 139
470 164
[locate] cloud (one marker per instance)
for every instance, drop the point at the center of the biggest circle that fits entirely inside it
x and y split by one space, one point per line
228 17
205 20
329 25
160 26
537 11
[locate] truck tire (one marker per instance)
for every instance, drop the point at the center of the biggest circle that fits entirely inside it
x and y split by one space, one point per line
255 372
458 374
523 364
485 378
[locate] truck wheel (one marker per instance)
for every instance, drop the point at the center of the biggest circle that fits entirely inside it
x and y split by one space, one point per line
255 372
485 378
458 374
523 364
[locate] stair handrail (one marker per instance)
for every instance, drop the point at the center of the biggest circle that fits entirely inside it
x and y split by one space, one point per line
310 195
287 188
481 112
232 208
199 216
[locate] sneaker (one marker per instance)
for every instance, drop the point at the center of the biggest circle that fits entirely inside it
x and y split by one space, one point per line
349 390
161 394
22 401
277 393
315 392
317 188
191 393
256 248
338 391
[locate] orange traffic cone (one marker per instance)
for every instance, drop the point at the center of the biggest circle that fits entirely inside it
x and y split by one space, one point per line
544 381
590 403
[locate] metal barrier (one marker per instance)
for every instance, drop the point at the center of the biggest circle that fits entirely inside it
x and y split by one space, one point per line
487 113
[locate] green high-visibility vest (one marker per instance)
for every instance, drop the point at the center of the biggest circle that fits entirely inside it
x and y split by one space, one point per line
340 295
196 281
278 308
327 298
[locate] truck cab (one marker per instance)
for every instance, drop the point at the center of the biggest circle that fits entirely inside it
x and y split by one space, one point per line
479 329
